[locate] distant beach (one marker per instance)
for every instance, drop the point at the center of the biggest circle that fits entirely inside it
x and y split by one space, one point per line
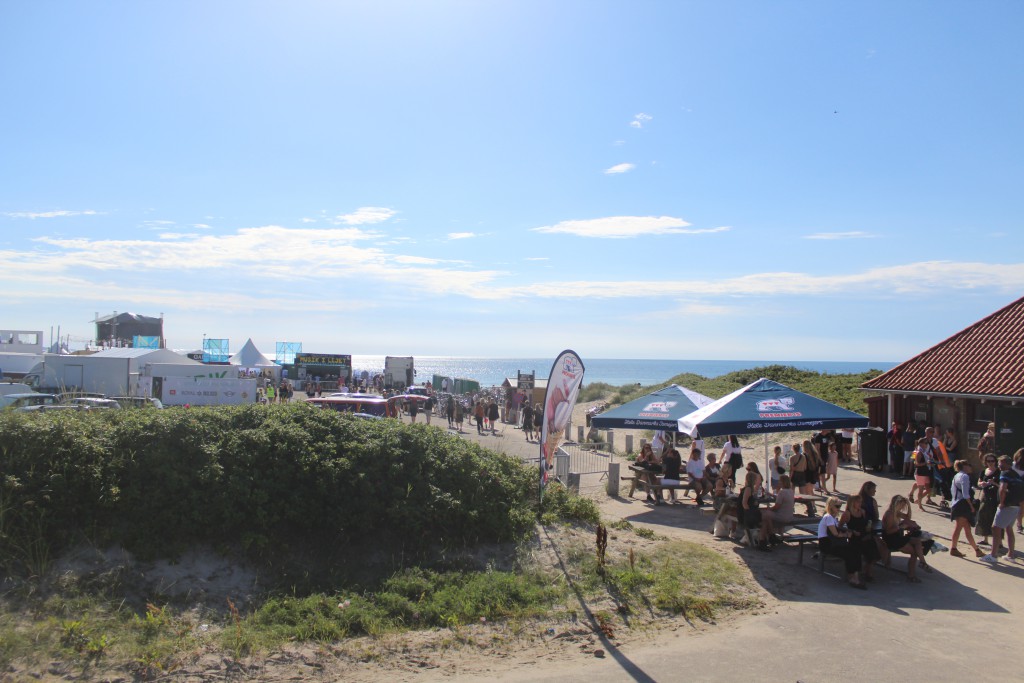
614 371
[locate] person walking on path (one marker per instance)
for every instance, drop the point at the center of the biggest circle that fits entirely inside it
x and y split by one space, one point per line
492 414
528 421
988 482
479 414
458 410
962 512
428 408
1011 492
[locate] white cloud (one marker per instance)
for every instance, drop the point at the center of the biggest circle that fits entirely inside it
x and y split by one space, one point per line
366 215
177 235
537 258
201 226
907 279
50 214
461 235
620 168
852 235
620 227
618 143
268 252
309 220
640 119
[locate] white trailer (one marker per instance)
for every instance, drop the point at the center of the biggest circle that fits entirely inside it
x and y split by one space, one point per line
193 371
399 372
57 373
180 391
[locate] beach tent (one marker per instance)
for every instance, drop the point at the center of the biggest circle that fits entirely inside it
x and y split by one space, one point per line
659 410
250 357
766 407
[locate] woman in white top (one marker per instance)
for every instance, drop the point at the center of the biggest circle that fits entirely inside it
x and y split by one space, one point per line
777 467
732 453
695 473
962 512
833 541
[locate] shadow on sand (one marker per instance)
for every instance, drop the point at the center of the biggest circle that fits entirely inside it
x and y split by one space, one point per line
779 573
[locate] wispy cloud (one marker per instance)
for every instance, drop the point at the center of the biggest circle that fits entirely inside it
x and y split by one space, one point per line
620 168
906 279
201 226
50 214
178 235
852 235
640 119
309 220
537 258
366 215
461 235
621 227
268 252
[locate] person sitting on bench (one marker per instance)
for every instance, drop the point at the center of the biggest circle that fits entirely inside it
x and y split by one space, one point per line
833 541
671 463
695 471
780 514
649 462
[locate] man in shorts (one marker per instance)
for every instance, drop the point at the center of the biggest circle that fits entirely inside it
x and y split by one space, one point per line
1011 492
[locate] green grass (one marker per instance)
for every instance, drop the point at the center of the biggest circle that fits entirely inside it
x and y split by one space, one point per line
90 628
841 389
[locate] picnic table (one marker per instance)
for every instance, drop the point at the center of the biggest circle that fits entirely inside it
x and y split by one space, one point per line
650 481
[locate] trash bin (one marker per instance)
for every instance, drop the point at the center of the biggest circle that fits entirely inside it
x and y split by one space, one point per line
872 446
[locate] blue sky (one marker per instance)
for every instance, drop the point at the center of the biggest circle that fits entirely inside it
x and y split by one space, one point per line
734 180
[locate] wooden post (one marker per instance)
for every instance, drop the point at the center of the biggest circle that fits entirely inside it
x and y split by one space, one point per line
613 479
629 443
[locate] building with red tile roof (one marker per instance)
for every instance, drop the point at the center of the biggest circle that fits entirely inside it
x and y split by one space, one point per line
967 381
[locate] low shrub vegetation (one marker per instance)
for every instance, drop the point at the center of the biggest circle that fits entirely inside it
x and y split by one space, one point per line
263 479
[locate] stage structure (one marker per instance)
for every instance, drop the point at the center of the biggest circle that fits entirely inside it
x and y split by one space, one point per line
216 350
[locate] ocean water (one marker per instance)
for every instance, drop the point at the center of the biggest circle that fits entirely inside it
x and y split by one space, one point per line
614 371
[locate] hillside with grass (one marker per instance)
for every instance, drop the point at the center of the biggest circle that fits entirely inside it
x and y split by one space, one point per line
193 543
841 389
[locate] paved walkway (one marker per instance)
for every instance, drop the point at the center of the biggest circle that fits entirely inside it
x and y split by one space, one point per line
962 622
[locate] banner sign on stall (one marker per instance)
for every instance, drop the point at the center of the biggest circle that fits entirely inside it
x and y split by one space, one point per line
563 389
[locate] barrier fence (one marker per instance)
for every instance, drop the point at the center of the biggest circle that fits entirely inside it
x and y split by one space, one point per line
573 461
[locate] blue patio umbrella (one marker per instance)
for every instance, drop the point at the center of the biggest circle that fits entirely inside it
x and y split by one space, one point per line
765 407
659 410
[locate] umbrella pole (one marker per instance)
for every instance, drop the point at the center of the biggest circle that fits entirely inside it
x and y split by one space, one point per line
767 464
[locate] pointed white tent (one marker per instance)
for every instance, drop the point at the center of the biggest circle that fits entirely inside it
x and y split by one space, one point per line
250 357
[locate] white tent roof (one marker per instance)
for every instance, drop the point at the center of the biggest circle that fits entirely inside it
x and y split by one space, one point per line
250 357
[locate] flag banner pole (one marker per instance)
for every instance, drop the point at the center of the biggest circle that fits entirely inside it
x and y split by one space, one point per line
564 384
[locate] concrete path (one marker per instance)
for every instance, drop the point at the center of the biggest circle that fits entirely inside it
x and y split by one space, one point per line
961 623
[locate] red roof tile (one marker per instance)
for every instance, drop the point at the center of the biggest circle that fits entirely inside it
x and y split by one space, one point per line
985 359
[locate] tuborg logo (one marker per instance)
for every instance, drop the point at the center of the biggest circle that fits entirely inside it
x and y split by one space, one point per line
775 404
659 406
569 365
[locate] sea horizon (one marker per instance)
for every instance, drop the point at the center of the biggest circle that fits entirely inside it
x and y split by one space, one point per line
490 371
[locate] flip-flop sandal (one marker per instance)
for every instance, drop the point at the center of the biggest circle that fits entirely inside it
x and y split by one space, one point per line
926 567
913 579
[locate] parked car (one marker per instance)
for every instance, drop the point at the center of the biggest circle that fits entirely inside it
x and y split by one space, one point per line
95 403
47 408
28 399
138 402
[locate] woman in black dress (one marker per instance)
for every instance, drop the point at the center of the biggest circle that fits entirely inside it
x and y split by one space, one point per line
988 482
862 533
